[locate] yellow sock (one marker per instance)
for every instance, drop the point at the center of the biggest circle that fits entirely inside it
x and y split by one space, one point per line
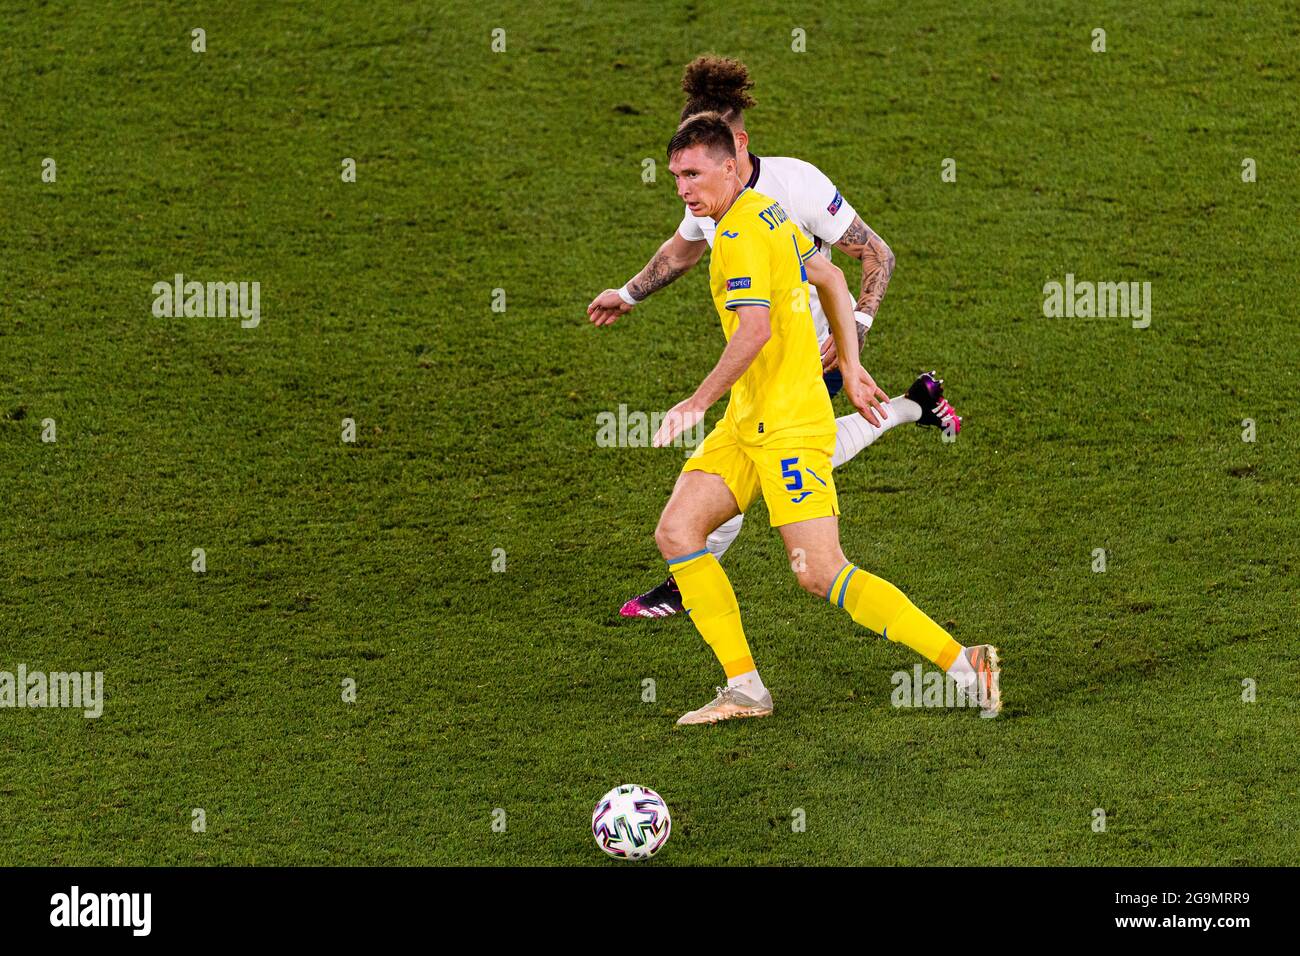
711 605
876 604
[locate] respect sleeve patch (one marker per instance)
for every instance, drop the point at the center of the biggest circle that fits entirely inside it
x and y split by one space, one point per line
741 283
835 205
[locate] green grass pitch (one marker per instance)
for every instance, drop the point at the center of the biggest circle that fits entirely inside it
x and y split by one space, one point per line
521 689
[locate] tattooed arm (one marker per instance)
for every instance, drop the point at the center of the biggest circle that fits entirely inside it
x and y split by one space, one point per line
877 266
674 258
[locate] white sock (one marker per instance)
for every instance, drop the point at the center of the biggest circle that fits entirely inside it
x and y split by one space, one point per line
854 433
749 684
723 535
961 671
904 409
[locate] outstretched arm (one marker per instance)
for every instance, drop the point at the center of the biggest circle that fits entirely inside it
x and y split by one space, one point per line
674 258
833 293
754 328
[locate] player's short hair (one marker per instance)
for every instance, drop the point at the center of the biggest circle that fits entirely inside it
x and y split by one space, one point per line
709 130
717 84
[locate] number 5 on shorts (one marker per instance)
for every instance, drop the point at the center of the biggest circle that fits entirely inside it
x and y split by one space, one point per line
790 470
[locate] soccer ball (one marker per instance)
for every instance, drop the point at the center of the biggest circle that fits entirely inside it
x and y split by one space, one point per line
631 823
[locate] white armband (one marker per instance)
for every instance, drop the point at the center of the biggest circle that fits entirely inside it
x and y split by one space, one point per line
863 318
627 296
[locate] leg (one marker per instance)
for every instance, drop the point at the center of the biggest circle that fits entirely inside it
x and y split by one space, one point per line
871 601
699 503
876 604
665 598
716 484
722 536
814 550
923 404
800 493
853 433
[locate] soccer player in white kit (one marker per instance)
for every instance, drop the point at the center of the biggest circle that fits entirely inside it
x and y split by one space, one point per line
721 85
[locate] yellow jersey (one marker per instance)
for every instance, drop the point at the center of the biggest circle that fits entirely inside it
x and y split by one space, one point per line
758 256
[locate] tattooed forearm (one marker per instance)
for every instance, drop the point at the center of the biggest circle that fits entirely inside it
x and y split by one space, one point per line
877 264
877 267
659 272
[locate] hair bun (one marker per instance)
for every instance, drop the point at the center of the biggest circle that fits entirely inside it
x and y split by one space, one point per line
719 80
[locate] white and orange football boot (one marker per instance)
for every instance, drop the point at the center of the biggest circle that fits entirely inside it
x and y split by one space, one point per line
988 677
729 703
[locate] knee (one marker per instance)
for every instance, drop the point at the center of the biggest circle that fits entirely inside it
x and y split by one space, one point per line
673 539
816 572
815 584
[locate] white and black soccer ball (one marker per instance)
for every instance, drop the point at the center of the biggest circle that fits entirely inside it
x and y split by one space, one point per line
631 823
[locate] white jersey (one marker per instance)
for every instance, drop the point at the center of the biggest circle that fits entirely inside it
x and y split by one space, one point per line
810 199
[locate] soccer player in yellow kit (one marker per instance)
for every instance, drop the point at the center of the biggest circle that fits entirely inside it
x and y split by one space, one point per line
778 433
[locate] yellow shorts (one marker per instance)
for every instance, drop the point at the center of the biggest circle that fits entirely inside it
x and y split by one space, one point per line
793 472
